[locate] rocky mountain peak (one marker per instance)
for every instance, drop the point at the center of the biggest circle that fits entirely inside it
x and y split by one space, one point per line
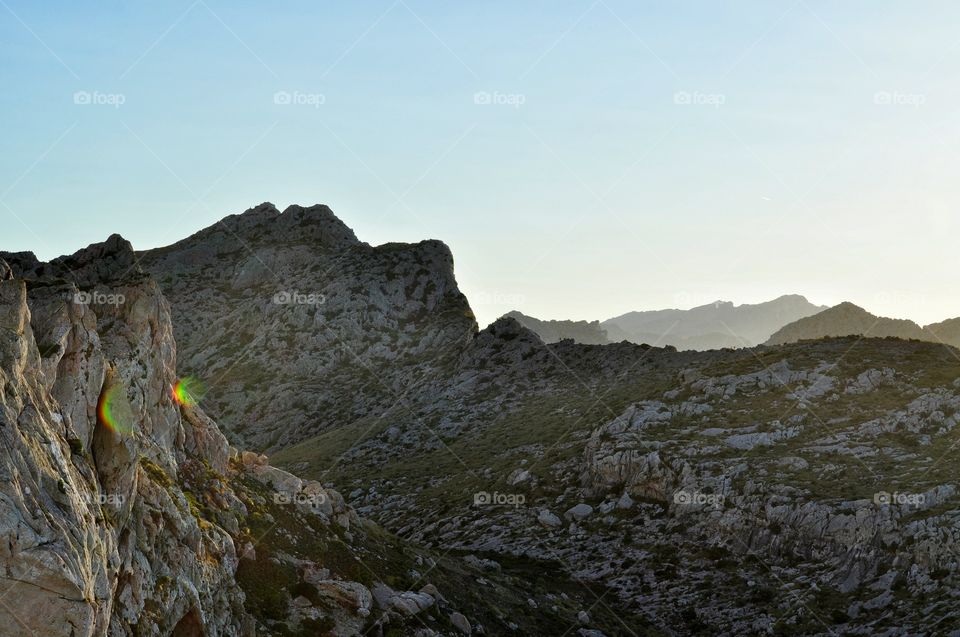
110 261
264 227
335 306
508 328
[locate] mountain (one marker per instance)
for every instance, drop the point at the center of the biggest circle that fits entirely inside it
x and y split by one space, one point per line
847 319
491 484
298 326
713 326
586 332
125 512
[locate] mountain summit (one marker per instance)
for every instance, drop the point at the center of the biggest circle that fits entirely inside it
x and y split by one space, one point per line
300 326
847 319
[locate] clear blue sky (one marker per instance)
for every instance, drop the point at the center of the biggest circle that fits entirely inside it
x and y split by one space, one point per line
632 156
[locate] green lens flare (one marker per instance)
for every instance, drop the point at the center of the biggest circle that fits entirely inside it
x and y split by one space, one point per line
188 391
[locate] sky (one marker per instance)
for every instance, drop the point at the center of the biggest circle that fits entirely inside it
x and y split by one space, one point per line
581 158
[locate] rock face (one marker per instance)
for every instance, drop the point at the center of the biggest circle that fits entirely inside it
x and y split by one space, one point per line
586 332
712 326
93 543
299 327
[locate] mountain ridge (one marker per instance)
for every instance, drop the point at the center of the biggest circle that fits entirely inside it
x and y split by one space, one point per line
717 325
849 319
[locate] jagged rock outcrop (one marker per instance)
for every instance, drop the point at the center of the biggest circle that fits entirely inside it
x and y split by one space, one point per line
299 327
89 536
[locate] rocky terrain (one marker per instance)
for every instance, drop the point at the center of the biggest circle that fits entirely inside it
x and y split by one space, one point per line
712 326
492 483
125 512
803 489
586 332
848 319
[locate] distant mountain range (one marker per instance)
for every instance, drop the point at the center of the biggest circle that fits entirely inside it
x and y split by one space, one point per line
713 326
787 319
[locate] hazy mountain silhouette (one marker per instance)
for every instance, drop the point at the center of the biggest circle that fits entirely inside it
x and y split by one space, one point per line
711 326
586 332
847 319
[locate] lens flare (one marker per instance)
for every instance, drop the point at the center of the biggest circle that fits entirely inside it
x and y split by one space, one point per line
114 410
188 391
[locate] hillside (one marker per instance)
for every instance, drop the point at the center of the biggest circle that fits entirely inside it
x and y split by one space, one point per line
945 332
847 319
713 326
802 490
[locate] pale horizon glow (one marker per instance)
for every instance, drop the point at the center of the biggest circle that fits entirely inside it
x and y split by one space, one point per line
581 160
